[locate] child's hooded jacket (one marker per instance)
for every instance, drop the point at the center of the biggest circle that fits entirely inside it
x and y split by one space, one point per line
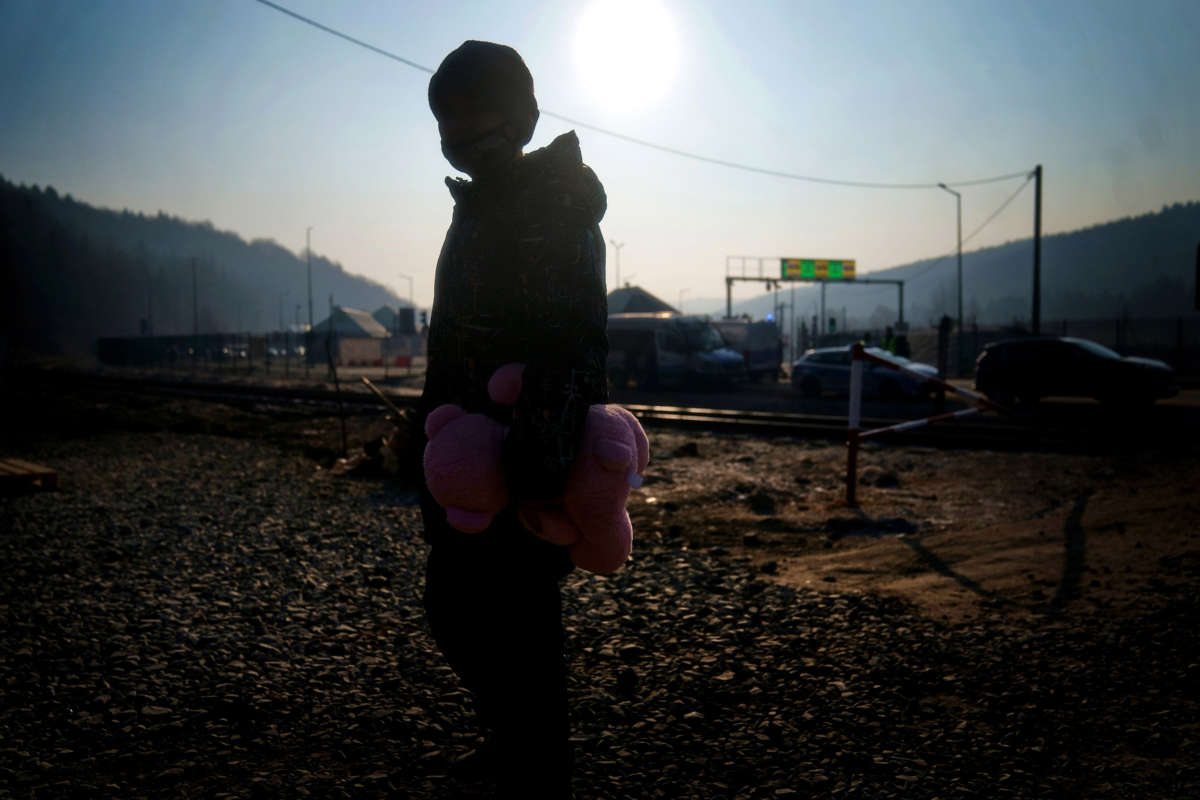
521 279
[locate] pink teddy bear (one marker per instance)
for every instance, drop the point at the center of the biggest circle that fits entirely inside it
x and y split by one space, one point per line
464 474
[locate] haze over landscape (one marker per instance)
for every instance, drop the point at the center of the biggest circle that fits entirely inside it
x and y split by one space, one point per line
238 114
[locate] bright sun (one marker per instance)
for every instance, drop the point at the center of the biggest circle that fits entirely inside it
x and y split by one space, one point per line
626 52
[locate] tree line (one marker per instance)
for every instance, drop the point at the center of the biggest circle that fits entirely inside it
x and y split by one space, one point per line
70 273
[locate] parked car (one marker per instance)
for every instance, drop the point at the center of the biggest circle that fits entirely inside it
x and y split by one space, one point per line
827 369
664 348
759 342
1026 370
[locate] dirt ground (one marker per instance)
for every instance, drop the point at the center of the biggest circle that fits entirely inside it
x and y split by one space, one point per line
963 535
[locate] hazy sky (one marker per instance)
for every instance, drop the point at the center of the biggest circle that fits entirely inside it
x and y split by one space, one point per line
229 111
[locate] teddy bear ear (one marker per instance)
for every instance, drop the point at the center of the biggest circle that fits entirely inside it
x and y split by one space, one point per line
638 439
505 384
440 417
642 442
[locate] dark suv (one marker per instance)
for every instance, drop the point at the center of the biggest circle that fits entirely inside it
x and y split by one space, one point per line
1026 370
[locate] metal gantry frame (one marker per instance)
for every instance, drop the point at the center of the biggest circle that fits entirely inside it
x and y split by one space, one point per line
761 278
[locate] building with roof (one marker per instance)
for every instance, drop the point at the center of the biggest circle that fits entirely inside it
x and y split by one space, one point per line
399 321
634 299
353 335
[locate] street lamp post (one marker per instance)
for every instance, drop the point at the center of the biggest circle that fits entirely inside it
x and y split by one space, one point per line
283 330
410 293
617 245
308 333
682 292
413 308
958 204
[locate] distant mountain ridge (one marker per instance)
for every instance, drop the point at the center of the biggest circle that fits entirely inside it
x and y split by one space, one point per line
1142 266
71 272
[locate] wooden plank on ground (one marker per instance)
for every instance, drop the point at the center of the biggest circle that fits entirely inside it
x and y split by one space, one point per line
19 475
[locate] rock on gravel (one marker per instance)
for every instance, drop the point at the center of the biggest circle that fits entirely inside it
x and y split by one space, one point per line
201 616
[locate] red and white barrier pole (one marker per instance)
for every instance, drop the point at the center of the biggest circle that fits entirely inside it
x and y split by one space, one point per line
854 436
917 423
858 352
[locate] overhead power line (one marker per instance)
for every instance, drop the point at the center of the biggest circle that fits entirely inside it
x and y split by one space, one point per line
774 172
653 145
997 212
346 36
974 233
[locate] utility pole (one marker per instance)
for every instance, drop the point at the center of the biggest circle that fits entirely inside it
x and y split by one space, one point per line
617 246
822 331
1036 324
195 319
791 332
308 333
195 305
329 341
958 204
141 257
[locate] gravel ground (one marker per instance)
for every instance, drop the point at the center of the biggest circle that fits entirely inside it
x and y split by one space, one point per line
195 615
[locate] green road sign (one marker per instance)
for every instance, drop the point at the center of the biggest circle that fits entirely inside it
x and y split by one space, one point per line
816 269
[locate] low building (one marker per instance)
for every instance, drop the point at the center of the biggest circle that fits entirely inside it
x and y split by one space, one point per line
399 321
354 337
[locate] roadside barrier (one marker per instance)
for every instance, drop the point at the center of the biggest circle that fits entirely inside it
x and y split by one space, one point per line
859 356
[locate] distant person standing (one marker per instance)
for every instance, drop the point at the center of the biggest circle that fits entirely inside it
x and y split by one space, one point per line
520 279
889 340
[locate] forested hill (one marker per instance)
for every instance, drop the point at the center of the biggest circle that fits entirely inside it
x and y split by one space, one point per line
70 273
1141 266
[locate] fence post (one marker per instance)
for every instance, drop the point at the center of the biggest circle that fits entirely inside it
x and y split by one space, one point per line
855 421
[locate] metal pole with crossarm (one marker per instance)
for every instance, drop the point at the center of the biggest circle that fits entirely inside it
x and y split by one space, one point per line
1036 322
308 335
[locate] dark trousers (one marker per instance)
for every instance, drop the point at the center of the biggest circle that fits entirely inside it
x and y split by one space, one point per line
494 606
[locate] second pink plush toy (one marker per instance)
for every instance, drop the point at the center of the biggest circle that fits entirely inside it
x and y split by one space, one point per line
464 473
462 459
593 522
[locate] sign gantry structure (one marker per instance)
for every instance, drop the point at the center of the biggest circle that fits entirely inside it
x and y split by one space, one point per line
806 270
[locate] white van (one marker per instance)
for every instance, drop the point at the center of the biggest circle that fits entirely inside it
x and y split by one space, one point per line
662 348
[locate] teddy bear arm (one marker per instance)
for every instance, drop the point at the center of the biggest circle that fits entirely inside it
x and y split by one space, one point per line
553 526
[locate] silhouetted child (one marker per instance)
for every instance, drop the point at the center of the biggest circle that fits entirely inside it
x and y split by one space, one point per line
520 279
